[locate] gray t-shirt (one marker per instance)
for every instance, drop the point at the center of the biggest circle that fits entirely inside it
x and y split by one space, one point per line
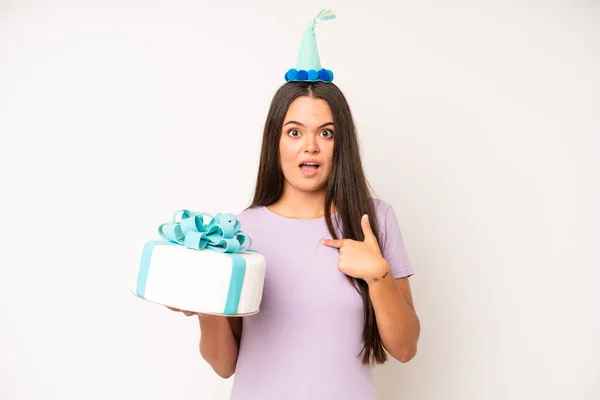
305 341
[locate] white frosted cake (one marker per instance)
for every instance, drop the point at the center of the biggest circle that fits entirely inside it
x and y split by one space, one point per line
202 267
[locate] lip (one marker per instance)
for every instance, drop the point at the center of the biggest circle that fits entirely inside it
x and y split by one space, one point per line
310 161
310 172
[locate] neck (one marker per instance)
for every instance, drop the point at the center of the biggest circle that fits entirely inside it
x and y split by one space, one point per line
300 205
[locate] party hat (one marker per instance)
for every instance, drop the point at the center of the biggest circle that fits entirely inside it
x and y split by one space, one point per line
308 64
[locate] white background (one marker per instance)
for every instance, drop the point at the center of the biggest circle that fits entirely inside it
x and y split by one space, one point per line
479 123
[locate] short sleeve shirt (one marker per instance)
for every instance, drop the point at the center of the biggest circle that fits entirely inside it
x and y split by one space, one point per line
305 341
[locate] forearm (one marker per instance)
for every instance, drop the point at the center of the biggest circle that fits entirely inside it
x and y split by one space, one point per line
218 345
397 322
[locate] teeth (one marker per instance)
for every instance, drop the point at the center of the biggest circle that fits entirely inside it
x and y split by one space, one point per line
309 164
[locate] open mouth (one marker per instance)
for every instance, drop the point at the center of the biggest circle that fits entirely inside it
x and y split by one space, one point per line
309 168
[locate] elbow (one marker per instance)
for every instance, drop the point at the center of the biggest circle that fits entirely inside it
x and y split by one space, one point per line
404 354
407 350
225 373
222 367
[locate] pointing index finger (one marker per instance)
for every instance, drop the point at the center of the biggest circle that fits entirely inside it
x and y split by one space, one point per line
337 243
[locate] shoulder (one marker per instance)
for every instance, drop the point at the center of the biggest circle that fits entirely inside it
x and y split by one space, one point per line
380 204
382 209
391 240
252 222
250 215
386 220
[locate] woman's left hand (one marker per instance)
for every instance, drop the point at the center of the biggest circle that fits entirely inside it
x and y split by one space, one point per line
362 260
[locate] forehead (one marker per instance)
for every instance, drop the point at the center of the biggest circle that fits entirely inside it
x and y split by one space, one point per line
308 110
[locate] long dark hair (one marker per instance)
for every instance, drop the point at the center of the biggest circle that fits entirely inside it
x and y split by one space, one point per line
347 187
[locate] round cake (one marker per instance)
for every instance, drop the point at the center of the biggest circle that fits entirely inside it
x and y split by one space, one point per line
204 265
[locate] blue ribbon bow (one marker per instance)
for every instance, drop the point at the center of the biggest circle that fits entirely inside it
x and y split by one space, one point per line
221 233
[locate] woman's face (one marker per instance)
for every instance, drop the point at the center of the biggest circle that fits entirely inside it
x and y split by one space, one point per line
306 144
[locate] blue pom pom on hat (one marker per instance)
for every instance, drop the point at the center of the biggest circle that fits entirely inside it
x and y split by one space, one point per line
308 65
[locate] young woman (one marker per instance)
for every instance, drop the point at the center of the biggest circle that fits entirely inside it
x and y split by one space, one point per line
336 290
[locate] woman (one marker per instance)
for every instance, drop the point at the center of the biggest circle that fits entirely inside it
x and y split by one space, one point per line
336 290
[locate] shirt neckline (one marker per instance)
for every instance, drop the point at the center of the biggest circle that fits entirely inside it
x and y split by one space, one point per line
320 219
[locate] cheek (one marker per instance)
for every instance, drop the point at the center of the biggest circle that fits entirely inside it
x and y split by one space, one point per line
286 153
328 152
289 149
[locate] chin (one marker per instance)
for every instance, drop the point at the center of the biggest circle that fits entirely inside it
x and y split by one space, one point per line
309 186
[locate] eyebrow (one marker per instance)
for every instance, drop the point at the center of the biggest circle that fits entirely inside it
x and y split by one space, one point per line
301 124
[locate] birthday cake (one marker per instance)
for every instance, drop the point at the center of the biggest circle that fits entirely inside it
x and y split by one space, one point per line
203 264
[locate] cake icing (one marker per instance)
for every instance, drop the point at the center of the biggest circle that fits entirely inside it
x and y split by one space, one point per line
204 264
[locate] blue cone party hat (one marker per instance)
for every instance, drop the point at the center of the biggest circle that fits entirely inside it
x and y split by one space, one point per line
308 65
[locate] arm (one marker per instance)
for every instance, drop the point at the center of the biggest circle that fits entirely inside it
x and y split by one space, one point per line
397 321
219 342
398 324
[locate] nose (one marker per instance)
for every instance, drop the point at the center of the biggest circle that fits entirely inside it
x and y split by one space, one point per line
311 145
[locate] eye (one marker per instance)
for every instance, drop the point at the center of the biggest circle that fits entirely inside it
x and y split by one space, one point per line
293 133
327 133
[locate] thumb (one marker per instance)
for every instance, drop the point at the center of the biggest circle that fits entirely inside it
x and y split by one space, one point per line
366 227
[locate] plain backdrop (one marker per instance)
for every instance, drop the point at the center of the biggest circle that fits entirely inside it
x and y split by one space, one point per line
479 122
